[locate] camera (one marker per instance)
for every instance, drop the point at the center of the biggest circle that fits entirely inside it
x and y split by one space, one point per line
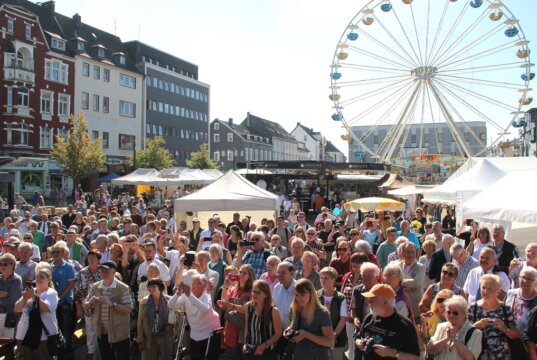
189 258
249 349
246 243
29 284
368 345
234 277
289 333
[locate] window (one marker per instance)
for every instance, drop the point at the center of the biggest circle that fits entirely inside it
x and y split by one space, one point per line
96 72
45 137
23 97
230 155
100 52
216 156
28 30
106 75
105 139
9 100
122 59
58 44
106 104
24 132
229 137
85 100
155 82
127 108
56 71
126 142
9 24
85 69
63 133
94 135
80 46
216 138
47 100
64 105
128 81
96 105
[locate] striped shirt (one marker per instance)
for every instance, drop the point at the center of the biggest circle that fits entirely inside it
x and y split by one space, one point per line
259 332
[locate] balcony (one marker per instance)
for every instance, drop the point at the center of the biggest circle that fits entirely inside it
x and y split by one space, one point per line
19 75
19 69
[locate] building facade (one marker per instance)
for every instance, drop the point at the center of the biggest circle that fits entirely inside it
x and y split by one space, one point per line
318 147
437 139
176 102
108 90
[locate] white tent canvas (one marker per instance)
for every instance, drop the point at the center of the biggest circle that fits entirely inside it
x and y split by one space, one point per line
229 194
138 177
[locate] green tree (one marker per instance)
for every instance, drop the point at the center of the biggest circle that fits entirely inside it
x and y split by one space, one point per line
154 156
78 156
201 160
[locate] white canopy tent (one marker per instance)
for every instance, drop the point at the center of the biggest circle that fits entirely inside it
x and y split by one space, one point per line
138 177
169 177
465 182
230 193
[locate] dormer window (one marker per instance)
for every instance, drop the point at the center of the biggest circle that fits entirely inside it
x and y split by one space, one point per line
58 44
28 31
80 46
100 53
122 59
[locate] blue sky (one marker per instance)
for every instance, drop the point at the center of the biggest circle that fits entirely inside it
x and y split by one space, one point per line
269 57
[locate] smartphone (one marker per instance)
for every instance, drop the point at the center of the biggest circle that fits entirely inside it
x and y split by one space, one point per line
469 222
233 277
189 258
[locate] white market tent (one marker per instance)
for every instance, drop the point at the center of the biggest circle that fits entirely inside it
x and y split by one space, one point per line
138 177
465 182
169 177
508 199
230 193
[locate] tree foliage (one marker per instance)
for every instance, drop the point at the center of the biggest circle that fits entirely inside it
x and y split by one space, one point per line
201 160
78 156
154 156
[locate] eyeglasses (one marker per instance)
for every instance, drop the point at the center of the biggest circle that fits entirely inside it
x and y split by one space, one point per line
448 273
354 234
27 238
299 231
440 300
243 272
454 312
527 278
344 249
311 234
41 276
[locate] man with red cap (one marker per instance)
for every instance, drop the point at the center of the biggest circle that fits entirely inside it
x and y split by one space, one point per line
385 334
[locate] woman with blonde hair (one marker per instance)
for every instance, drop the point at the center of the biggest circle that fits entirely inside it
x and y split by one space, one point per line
435 316
482 240
309 261
32 332
311 323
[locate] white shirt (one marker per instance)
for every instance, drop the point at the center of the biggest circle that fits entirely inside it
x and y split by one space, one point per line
164 271
471 285
213 278
202 318
49 297
173 256
283 298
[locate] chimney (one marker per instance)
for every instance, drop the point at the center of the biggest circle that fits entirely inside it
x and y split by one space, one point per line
230 121
77 20
248 123
50 5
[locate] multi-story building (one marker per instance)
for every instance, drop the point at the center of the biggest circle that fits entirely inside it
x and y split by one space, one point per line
528 133
284 146
108 89
176 102
37 90
319 148
232 143
437 139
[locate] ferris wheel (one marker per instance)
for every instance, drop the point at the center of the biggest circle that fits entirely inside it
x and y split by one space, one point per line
416 75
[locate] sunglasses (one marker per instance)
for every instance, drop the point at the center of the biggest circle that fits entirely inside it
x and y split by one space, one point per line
454 313
440 300
299 231
27 238
344 249
448 273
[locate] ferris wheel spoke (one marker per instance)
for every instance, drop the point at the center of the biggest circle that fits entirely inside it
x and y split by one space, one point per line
385 47
469 105
427 32
422 117
453 46
380 103
472 44
459 140
485 68
367 95
481 96
481 55
375 68
438 29
430 103
450 33
499 84
371 81
378 57
406 36
417 36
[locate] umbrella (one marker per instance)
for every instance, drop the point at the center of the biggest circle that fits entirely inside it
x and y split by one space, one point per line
375 204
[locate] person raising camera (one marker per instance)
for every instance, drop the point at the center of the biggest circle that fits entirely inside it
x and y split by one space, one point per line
385 333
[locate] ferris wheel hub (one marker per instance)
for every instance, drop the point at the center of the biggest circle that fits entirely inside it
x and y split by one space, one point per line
424 72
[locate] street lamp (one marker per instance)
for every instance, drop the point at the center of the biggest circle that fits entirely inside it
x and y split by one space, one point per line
134 154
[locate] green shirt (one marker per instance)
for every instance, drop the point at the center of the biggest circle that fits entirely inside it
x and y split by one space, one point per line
39 236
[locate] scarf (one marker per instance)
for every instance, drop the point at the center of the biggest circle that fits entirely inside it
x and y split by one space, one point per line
162 316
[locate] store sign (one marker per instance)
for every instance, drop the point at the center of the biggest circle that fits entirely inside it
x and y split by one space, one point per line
113 161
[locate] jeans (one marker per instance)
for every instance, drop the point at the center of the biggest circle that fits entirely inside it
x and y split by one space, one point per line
91 336
198 349
64 314
116 351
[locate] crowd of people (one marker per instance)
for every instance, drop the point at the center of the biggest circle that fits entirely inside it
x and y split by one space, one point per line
137 281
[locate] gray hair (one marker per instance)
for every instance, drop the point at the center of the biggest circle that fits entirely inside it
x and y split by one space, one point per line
26 246
273 258
103 238
59 245
369 266
300 241
498 227
218 249
154 267
204 254
400 240
447 237
459 302
456 248
113 236
363 246
201 278
394 269
527 270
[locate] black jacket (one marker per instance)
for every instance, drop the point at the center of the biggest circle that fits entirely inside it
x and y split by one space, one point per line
438 259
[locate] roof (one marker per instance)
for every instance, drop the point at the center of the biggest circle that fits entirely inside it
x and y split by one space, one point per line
314 134
331 148
94 39
262 127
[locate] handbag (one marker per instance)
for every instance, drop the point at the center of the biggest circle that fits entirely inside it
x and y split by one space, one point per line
11 320
234 317
55 343
32 338
290 347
